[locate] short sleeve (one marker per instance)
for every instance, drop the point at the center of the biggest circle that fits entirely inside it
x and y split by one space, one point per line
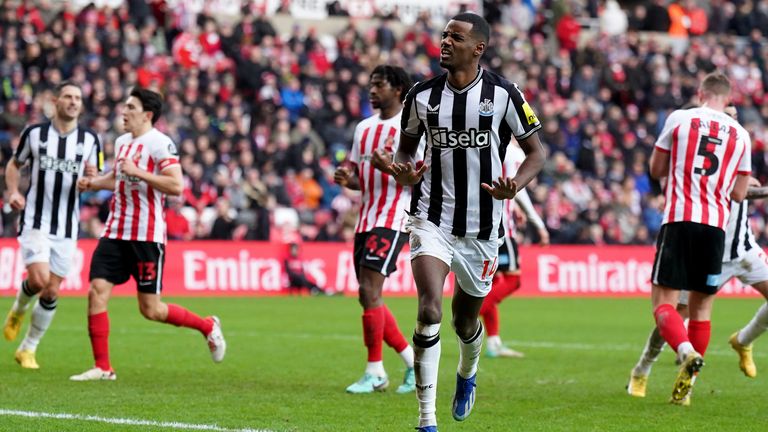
745 164
519 115
664 141
165 154
25 147
410 124
96 157
354 152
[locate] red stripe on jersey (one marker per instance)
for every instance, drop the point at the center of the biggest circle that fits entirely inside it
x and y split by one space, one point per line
672 183
393 209
111 218
121 194
136 214
690 154
729 150
360 179
371 171
385 190
714 128
151 201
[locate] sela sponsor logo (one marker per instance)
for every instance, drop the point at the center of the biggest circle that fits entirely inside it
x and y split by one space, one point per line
48 163
486 108
470 138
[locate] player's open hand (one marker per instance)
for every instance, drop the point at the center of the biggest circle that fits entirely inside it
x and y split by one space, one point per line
503 188
406 174
341 176
17 201
382 159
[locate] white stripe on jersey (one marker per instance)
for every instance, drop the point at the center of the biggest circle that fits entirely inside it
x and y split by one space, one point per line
707 150
57 161
384 201
739 238
467 131
137 210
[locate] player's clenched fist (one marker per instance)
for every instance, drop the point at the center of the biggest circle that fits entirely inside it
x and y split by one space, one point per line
17 201
341 176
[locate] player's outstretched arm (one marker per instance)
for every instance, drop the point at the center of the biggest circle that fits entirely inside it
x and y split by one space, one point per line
103 182
12 177
739 192
659 165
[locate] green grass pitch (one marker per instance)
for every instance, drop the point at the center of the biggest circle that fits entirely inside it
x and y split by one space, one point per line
290 358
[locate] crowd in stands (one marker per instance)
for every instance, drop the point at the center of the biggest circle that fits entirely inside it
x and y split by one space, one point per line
262 117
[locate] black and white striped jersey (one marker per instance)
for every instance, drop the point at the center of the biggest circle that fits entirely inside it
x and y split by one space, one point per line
56 162
467 134
739 238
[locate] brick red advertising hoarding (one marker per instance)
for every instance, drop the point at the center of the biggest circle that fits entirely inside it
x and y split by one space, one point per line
221 268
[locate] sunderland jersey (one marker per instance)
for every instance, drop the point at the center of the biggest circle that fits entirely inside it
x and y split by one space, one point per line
708 149
513 160
467 131
56 162
137 209
739 238
384 200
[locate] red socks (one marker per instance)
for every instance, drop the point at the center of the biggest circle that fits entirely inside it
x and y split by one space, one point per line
392 335
698 333
373 332
503 286
671 326
182 317
98 330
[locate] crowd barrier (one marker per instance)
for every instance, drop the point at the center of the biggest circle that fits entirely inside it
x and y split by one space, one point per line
225 268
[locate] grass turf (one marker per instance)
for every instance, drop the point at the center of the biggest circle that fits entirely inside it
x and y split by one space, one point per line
290 358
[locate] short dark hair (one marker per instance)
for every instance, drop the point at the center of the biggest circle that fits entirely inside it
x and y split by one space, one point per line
480 28
60 86
716 83
150 101
396 76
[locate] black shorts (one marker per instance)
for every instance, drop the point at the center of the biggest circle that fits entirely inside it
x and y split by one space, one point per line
378 249
689 256
509 260
118 260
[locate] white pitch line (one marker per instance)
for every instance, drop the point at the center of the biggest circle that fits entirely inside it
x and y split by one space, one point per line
123 421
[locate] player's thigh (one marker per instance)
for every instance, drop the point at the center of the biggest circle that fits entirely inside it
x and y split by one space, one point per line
425 238
148 266
63 253
754 267
36 252
474 263
111 262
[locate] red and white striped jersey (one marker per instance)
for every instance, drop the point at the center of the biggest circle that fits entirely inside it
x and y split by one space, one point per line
384 201
708 149
137 209
512 161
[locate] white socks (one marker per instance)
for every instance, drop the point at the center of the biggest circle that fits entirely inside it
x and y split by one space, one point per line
23 298
376 369
651 352
407 356
493 342
426 346
469 353
684 349
42 315
756 327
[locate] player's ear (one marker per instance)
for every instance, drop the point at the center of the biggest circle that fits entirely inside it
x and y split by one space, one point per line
480 48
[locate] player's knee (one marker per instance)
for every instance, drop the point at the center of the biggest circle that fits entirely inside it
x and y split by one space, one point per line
430 314
150 312
368 296
37 282
465 328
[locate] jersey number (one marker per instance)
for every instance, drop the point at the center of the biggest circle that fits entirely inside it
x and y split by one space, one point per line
147 271
706 149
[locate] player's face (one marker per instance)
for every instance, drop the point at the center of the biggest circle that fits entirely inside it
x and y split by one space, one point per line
69 103
381 92
457 46
134 116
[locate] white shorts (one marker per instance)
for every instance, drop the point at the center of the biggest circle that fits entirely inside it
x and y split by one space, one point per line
750 268
473 261
37 247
